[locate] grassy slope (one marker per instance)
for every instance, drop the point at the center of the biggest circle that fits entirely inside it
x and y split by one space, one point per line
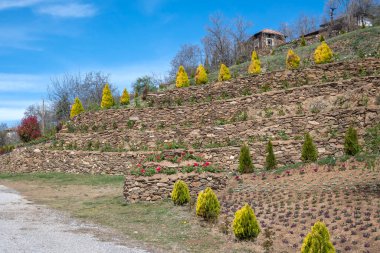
350 46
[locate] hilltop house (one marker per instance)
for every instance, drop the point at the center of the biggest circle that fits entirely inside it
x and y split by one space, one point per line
266 39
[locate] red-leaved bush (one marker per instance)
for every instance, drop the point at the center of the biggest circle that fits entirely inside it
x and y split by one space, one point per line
29 129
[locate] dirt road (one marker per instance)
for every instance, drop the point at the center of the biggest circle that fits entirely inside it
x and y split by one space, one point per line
27 227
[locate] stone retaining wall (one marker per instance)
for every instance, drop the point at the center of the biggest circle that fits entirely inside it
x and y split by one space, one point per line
322 126
159 187
275 80
208 113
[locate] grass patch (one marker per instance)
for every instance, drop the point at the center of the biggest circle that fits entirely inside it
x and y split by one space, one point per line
58 178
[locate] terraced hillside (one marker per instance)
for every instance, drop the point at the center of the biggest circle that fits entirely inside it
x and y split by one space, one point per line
214 120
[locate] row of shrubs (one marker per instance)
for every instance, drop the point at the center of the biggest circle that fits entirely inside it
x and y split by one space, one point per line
245 225
309 151
322 54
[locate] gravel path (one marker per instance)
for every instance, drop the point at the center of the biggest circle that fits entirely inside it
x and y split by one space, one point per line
26 227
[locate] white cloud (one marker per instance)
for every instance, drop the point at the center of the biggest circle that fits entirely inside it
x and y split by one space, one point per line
150 6
9 4
11 114
23 82
71 10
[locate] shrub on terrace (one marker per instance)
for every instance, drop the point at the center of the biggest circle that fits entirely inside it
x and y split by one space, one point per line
323 54
76 108
309 150
255 66
180 194
245 224
201 75
351 144
124 99
321 38
318 240
107 99
245 161
224 73
182 79
303 41
29 129
208 205
270 161
292 60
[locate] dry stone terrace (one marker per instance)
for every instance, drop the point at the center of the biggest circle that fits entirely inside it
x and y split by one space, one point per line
323 126
330 94
275 80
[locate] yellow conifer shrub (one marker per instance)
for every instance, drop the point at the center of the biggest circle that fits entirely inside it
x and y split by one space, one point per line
76 108
255 66
208 205
201 75
292 60
224 73
323 54
318 240
124 99
182 79
107 99
245 224
180 194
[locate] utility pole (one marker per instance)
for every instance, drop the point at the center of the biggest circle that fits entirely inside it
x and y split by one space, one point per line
332 9
43 117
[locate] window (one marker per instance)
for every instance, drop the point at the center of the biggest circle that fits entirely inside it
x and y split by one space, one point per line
270 42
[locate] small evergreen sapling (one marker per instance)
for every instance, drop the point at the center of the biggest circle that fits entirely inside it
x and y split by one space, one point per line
208 205
245 224
309 150
351 143
270 161
245 161
107 99
76 108
318 240
124 99
180 194
255 66
321 38
182 79
224 73
323 54
201 75
303 41
292 60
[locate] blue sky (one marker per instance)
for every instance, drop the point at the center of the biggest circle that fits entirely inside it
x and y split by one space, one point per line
41 39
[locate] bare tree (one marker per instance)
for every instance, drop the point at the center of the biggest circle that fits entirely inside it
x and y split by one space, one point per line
189 56
239 33
63 90
45 116
217 42
287 30
305 24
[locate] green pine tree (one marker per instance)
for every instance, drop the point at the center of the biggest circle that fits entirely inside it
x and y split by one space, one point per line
245 161
309 150
351 143
318 240
270 161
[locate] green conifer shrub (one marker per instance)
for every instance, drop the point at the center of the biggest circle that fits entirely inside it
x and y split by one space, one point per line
76 108
309 150
245 161
224 73
182 79
321 38
318 240
270 161
208 205
124 99
245 224
201 75
180 194
107 99
303 41
351 143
